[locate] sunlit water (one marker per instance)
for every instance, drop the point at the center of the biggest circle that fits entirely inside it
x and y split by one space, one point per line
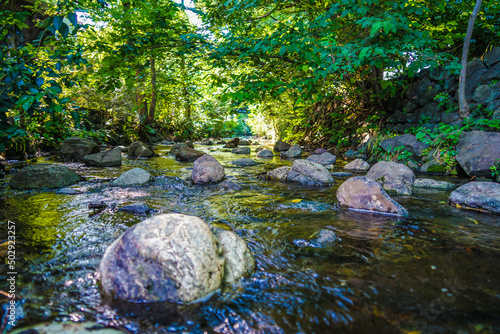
437 271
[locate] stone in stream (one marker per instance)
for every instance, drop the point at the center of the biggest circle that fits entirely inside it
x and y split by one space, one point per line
278 174
228 185
433 184
132 177
406 142
75 148
366 195
109 158
176 147
241 150
170 257
480 196
326 238
139 149
232 143
309 173
68 191
188 154
207 170
477 151
319 151
341 174
67 328
44 176
245 162
294 152
264 153
303 205
281 146
325 158
136 208
207 142
245 142
358 165
393 176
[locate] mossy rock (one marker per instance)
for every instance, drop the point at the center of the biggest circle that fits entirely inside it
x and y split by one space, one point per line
441 169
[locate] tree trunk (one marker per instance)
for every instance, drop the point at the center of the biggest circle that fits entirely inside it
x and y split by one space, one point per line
140 98
152 105
187 100
464 109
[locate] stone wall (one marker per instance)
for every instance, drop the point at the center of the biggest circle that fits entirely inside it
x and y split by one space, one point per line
432 98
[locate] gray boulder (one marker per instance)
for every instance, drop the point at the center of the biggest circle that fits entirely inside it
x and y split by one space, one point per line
281 146
169 257
109 158
228 185
341 174
188 154
325 158
479 196
326 238
207 142
44 176
245 142
264 153
309 173
176 147
294 152
433 184
139 149
363 194
207 170
245 162
239 259
278 174
393 176
75 148
232 143
319 151
358 165
492 57
241 150
477 151
134 176
136 208
67 328
408 142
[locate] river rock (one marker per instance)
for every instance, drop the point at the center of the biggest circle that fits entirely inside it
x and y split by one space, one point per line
75 148
136 208
406 142
132 177
319 151
188 154
207 170
363 194
233 143
139 149
258 149
264 153
393 176
239 259
309 173
176 147
341 174
68 191
245 142
325 158
294 152
67 328
109 158
358 165
280 146
433 184
477 151
350 153
169 257
483 196
241 150
244 162
326 238
228 185
278 174
492 57
44 176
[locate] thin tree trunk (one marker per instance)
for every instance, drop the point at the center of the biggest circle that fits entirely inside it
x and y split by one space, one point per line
140 98
464 109
152 106
187 100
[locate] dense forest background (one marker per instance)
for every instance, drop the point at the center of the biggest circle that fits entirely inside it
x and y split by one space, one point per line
305 71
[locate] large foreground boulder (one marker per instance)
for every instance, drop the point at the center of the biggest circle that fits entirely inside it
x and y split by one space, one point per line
75 148
207 170
188 154
325 158
132 177
169 257
363 194
477 151
139 149
109 158
309 173
44 176
393 176
480 196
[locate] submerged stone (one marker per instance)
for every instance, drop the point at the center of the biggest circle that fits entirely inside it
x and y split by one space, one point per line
44 176
480 196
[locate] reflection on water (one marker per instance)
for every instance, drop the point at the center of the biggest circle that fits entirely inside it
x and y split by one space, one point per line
436 271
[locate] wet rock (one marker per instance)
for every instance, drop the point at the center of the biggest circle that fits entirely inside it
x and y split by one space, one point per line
228 185
406 142
207 142
233 143
239 260
434 167
134 176
258 149
433 184
44 176
169 257
241 150
413 166
302 205
341 174
139 149
67 328
281 146
207 170
393 176
136 208
75 148
350 153
244 162
482 196
110 158
278 174
358 165
319 151
325 158
255 143
124 149
68 191
363 194
188 154
477 151
309 173
245 142
326 238
294 152
492 57
175 149
264 153
221 142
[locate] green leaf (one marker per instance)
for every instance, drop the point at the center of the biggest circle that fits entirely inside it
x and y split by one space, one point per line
57 22
64 30
73 19
282 50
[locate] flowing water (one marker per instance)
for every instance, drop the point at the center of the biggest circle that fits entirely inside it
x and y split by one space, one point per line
437 271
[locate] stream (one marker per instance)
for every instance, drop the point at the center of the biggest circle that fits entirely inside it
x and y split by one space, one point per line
437 271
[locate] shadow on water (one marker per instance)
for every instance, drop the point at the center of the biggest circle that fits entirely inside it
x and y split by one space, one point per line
436 271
